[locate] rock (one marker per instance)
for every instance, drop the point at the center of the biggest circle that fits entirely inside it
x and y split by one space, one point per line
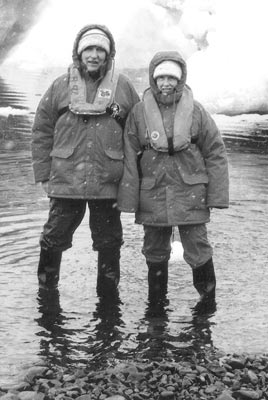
225 395
68 378
216 369
9 396
17 387
34 372
211 389
252 377
136 376
201 369
237 362
166 395
236 384
31 396
206 378
246 394
136 396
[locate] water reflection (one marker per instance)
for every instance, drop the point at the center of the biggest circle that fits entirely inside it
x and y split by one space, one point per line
108 336
58 342
154 343
54 345
188 337
201 331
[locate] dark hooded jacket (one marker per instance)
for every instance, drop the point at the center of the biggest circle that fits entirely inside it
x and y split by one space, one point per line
169 188
80 155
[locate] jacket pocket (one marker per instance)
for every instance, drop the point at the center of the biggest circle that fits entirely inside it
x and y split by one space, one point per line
148 198
195 191
62 167
113 167
195 178
191 166
114 154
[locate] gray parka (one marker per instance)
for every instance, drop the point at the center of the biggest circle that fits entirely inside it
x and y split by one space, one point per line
81 156
178 189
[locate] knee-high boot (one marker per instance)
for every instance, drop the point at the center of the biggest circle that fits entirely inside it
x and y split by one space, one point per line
157 281
204 281
108 271
49 269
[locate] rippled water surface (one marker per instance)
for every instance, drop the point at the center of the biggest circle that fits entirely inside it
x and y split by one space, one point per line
73 326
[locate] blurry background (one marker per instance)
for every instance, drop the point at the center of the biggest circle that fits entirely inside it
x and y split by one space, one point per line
223 41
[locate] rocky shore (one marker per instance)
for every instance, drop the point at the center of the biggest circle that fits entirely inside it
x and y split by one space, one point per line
207 376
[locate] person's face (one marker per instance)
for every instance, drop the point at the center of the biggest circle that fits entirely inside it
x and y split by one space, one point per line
166 83
94 58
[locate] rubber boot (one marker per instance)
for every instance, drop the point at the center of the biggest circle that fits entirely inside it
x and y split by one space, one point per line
204 281
49 269
108 272
157 281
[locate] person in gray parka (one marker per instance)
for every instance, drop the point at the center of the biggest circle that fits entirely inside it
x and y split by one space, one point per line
77 152
175 172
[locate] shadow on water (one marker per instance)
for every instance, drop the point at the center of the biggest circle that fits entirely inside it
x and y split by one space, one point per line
101 346
101 337
192 337
74 327
56 340
53 337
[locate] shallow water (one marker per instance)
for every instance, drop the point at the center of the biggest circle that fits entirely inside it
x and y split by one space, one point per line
74 327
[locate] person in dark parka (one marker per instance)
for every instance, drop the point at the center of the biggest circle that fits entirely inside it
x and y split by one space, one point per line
175 172
77 152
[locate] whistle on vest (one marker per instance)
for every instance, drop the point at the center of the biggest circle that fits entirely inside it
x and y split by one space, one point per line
113 110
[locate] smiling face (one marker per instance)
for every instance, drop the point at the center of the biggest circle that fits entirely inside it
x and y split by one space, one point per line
93 57
166 84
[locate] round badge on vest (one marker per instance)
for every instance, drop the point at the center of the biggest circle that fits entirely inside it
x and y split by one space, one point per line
155 135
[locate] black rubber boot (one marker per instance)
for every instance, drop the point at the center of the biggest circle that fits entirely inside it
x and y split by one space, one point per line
49 269
157 281
204 281
108 272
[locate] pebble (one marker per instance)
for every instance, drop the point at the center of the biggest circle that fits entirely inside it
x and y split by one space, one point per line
213 376
246 394
166 395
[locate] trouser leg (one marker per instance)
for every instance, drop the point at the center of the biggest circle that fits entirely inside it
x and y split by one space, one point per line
198 254
107 236
64 217
156 249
